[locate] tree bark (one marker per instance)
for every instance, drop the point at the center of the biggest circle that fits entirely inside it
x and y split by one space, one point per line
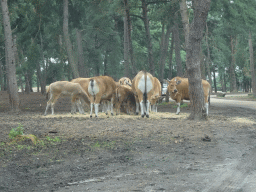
185 19
11 64
67 40
1 75
177 50
214 80
252 64
196 28
170 57
233 87
127 13
208 59
163 53
148 38
202 64
81 62
42 78
126 50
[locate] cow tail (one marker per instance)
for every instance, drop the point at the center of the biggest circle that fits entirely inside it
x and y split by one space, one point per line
91 84
145 93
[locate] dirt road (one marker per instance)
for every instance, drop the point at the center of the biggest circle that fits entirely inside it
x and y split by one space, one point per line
127 153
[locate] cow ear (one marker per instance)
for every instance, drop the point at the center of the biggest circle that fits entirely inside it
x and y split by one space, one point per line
178 82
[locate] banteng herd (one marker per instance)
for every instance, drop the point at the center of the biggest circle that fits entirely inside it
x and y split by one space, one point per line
144 92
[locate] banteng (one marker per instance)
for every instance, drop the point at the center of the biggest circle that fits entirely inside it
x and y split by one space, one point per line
101 88
178 90
125 81
143 88
156 95
65 88
125 95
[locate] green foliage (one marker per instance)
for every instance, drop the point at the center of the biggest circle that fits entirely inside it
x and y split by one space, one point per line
16 131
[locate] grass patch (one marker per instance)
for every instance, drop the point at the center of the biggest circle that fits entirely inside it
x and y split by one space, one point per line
104 145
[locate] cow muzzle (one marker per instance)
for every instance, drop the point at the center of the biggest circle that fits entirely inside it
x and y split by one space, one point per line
175 91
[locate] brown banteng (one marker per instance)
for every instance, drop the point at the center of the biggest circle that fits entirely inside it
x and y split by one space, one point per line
143 88
125 95
178 90
156 95
101 88
125 81
84 82
59 88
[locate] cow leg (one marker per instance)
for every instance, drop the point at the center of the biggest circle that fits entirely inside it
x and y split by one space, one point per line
178 109
96 107
80 106
207 108
141 108
112 106
52 107
147 108
137 108
47 107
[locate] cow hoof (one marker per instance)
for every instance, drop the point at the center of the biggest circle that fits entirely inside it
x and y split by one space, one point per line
142 116
96 116
106 113
136 113
90 116
112 114
147 116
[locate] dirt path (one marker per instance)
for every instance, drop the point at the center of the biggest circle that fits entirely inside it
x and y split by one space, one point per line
127 153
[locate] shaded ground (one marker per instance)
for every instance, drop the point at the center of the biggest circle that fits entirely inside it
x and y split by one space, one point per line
127 153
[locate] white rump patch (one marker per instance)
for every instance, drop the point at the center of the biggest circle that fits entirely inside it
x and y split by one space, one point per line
93 90
141 84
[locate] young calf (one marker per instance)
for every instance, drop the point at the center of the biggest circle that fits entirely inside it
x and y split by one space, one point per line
65 88
143 88
156 95
101 88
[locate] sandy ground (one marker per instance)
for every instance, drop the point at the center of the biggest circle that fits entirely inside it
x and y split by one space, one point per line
127 153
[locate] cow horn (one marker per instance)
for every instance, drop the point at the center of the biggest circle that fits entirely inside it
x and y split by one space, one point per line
168 80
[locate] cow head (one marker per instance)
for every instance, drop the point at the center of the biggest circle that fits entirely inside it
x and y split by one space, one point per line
172 89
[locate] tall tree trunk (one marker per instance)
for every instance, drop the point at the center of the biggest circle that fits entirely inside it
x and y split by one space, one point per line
126 49
42 75
177 50
202 64
233 87
129 25
196 28
1 75
170 57
11 64
67 40
185 19
81 62
105 72
252 64
148 38
208 59
163 53
214 80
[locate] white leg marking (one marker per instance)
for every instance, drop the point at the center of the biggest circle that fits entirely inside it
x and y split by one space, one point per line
178 109
96 106
207 108
91 109
137 107
142 108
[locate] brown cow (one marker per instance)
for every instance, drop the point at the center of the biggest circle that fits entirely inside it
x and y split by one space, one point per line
156 95
65 88
101 88
124 94
178 90
125 81
143 88
84 82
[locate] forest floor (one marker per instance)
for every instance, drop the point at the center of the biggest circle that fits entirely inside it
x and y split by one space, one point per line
165 152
